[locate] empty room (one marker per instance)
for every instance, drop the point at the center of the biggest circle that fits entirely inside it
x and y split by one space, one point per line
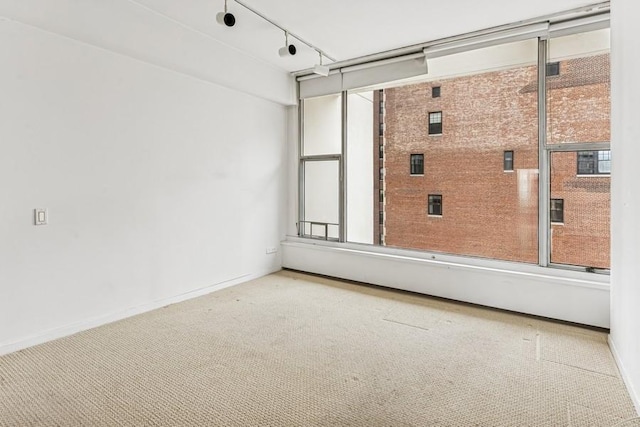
305 213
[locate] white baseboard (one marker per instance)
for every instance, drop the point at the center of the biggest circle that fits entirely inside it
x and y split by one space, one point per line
52 334
635 394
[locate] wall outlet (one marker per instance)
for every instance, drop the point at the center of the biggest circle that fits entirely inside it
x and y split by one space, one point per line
272 250
40 216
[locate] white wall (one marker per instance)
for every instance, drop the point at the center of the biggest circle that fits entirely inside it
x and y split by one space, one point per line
158 185
135 30
625 198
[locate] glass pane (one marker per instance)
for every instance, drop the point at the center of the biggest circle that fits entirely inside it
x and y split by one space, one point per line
362 186
321 197
578 89
582 238
322 125
486 109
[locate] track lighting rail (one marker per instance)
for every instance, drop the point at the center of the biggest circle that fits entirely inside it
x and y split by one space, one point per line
301 40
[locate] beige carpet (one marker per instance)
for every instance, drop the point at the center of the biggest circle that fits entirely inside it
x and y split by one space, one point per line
297 350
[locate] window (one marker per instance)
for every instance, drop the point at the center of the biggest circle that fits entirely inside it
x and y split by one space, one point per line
435 92
508 160
417 164
380 151
594 162
435 123
435 204
381 175
381 110
553 69
381 129
381 217
381 196
557 210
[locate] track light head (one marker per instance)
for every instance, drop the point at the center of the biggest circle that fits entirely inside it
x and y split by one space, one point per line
322 70
226 18
288 50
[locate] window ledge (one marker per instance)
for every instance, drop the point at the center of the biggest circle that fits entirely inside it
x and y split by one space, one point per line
509 171
416 174
594 175
434 216
580 278
435 134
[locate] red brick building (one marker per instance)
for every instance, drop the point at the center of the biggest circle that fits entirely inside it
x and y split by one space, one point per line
457 168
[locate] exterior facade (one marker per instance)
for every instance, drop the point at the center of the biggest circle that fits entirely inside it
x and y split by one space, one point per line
456 167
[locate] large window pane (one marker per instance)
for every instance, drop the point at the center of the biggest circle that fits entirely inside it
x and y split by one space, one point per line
361 152
322 125
321 199
578 88
462 201
580 224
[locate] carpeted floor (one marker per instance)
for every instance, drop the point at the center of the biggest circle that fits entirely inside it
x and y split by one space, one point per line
297 350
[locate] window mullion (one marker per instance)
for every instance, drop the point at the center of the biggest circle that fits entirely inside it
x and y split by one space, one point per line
544 226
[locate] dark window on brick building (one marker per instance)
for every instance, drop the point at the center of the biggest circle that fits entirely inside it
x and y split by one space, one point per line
508 160
553 69
381 174
594 162
435 92
381 196
557 210
435 204
381 217
435 123
417 164
380 151
381 129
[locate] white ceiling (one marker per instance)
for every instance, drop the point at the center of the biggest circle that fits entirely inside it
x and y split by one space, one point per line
346 29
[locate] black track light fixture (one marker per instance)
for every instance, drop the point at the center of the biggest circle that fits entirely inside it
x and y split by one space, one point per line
287 49
226 18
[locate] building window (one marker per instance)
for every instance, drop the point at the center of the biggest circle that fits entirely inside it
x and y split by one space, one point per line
381 174
557 210
435 92
553 69
435 123
381 196
508 160
435 204
594 162
381 217
417 164
380 151
381 129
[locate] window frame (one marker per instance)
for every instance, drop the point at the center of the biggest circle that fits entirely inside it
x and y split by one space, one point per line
434 200
435 127
553 207
412 172
545 150
595 162
508 162
553 69
436 91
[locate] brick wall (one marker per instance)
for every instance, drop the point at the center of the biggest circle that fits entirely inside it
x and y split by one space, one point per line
487 211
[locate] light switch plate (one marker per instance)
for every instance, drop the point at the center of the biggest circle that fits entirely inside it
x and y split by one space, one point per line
40 216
